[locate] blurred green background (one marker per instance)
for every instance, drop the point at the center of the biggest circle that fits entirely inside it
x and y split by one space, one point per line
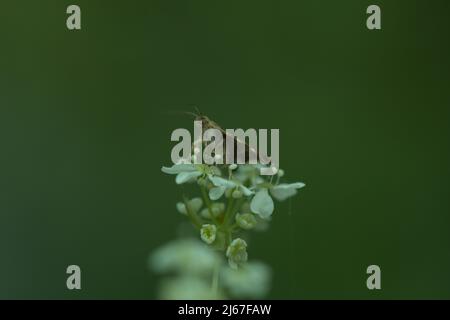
86 117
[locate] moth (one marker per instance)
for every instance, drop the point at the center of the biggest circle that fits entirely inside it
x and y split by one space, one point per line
239 142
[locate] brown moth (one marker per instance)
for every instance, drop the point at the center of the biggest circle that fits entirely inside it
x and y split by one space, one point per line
238 143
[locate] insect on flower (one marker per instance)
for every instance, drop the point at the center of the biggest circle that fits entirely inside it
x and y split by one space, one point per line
210 140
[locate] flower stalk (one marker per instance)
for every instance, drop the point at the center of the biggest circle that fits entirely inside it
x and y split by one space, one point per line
249 205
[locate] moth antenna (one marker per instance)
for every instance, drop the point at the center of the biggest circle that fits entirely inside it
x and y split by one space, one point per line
174 112
197 110
191 114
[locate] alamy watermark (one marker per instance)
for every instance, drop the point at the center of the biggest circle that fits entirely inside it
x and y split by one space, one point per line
230 146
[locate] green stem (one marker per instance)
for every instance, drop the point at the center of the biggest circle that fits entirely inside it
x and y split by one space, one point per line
238 204
208 204
215 279
228 239
229 210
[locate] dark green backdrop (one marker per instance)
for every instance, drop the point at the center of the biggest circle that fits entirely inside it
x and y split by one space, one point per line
86 116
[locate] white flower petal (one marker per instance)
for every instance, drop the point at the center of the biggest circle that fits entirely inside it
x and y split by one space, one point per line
216 193
183 177
186 256
262 204
221 182
282 194
178 168
297 185
246 191
283 191
250 281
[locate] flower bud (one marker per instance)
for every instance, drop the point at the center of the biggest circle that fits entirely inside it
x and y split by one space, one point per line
195 204
246 221
217 209
237 253
208 233
181 207
233 166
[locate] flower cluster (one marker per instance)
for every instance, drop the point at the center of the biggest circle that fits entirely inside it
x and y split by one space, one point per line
233 199
248 197
194 264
